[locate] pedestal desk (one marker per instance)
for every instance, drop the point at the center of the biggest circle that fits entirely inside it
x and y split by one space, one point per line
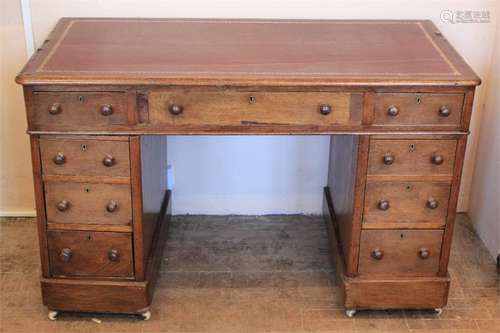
102 94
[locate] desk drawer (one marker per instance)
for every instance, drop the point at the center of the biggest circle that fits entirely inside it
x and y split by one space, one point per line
411 157
78 110
230 108
85 156
96 254
406 109
400 201
90 203
405 252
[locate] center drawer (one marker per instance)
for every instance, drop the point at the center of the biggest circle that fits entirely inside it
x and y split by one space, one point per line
96 254
89 203
232 108
402 252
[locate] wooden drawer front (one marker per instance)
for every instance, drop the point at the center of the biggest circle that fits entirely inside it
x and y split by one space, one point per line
84 253
85 157
418 109
78 110
411 157
400 201
400 251
91 203
230 108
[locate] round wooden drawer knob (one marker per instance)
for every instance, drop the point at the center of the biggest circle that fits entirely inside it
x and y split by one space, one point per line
432 203
176 109
62 205
383 205
106 109
377 254
392 111
388 159
437 159
55 108
59 159
444 111
113 255
111 206
325 109
66 254
108 161
423 253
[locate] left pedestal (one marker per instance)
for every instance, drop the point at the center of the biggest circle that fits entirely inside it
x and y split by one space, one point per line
102 213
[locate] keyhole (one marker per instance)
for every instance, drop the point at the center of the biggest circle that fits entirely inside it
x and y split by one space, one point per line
411 147
81 99
89 237
402 236
419 99
408 188
252 99
87 190
84 147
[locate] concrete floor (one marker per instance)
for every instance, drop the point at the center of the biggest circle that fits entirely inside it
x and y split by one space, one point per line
249 274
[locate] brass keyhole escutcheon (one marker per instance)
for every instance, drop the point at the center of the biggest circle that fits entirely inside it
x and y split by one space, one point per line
252 99
87 190
411 147
408 188
418 100
81 99
84 147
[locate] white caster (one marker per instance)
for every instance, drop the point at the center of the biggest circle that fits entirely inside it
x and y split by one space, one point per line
146 315
350 312
438 311
53 315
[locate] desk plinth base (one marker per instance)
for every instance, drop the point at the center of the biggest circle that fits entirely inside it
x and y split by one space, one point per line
110 296
382 293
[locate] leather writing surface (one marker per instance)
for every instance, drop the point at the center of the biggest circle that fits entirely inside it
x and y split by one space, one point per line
309 47
267 52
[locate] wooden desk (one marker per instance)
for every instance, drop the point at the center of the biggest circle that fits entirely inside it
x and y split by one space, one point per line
394 96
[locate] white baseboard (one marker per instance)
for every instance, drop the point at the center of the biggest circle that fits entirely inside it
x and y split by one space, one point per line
18 213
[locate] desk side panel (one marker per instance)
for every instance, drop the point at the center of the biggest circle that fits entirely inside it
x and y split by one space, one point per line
148 156
346 180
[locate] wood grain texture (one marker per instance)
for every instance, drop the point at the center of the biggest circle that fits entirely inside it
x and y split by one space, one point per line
95 295
87 203
412 157
418 109
227 108
452 206
410 293
39 204
346 181
400 252
407 202
78 110
90 254
84 156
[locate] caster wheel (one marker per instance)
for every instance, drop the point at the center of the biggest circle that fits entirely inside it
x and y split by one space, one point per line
350 313
146 315
438 311
53 315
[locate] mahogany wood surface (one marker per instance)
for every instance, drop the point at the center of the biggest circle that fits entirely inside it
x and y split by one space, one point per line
85 156
90 254
88 203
